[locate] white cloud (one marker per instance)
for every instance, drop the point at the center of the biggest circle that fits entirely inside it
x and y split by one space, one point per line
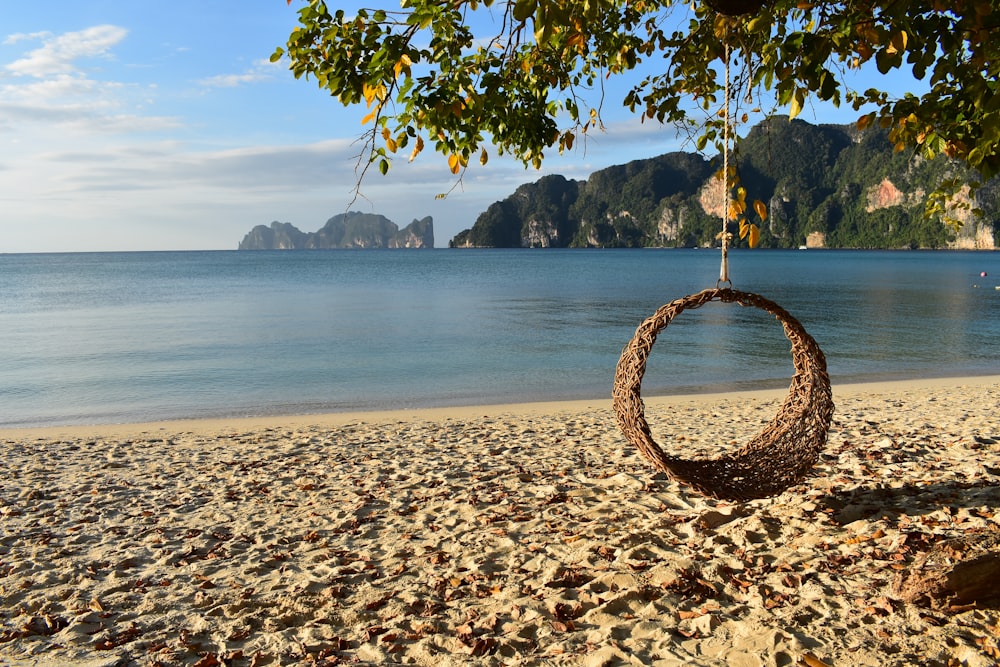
58 54
26 36
262 70
50 89
176 195
75 103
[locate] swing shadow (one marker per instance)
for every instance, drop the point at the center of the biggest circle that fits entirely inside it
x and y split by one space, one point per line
879 501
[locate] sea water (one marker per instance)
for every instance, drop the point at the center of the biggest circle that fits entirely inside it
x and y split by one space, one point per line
125 337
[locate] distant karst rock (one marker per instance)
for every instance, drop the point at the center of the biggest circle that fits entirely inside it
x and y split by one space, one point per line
345 230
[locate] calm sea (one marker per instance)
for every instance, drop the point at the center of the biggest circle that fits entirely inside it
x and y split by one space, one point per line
124 337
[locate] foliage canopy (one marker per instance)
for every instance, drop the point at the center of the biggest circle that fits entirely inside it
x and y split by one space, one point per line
525 76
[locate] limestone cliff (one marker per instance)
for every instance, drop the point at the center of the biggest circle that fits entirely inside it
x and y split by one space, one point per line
345 230
279 236
823 186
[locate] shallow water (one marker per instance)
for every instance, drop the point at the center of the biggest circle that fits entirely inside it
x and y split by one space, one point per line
121 337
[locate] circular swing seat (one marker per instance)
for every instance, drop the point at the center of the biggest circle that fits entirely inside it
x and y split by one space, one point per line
781 455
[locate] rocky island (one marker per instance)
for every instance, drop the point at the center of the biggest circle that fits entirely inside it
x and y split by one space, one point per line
345 230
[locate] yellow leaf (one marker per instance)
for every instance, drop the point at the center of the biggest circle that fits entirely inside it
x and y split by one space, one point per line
897 43
865 121
369 117
385 133
736 209
733 211
798 100
454 163
484 157
402 64
744 228
390 143
754 235
760 208
372 93
417 148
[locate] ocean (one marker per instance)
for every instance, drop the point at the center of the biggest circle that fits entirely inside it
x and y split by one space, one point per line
126 337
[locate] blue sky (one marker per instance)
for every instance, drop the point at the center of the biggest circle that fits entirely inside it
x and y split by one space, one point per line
163 126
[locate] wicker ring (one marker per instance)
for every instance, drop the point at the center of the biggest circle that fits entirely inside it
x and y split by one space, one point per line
780 456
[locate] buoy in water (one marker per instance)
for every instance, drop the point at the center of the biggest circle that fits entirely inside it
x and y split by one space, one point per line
982 274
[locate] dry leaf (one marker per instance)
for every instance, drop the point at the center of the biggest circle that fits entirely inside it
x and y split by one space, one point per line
812 661
208 660
116 640
464 632
565 612
239 635
482 646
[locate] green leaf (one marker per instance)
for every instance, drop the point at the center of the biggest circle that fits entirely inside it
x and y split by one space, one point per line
526 79
524 9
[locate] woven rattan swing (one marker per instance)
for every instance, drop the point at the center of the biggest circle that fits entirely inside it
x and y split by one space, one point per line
784 452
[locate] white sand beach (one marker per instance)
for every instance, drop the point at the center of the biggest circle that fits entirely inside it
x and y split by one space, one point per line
500 535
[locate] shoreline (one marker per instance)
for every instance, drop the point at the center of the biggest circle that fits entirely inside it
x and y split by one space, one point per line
219 424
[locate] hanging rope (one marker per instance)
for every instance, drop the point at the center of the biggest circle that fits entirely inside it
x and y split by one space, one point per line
724 270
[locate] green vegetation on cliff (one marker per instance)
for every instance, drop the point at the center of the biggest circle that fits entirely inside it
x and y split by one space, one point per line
827 185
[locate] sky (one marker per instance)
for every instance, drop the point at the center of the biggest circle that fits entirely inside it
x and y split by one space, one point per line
163 125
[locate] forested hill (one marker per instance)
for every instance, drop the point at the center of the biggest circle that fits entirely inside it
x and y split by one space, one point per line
824 185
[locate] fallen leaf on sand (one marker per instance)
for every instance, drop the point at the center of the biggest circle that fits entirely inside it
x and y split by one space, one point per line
812 661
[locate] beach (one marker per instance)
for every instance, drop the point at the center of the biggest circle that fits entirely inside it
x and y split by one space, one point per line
495 535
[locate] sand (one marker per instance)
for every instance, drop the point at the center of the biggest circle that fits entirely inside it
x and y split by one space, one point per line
503 535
